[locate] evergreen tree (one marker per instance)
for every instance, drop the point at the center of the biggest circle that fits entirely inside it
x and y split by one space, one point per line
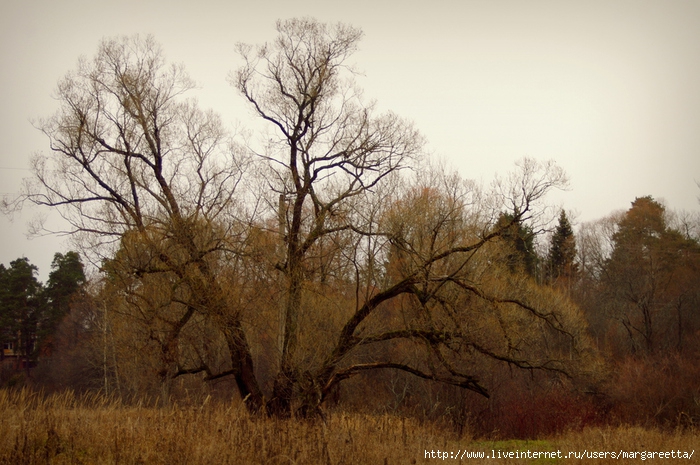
29 312
521 239
562 266
66 279
21 305
650 279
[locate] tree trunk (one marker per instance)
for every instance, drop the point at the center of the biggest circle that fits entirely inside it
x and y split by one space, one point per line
283 389
242 363
280 405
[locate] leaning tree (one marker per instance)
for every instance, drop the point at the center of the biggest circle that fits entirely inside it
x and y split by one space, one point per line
149 181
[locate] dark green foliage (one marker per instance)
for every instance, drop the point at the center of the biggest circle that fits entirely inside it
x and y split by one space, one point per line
30 312
65 280
521 238
21 304
561 266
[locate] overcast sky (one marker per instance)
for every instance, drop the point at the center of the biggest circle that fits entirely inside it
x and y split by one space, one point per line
609 89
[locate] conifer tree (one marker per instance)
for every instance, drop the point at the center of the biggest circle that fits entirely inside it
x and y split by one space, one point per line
650 279
562 266
521 238
65 280
21 304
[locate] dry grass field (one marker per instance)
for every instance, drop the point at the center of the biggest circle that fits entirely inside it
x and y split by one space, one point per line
65 429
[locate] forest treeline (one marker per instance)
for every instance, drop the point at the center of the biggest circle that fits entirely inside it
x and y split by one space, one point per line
328 263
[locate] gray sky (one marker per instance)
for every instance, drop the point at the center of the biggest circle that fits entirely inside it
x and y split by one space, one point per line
609 89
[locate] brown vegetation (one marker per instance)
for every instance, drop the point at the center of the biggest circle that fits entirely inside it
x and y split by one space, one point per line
69 429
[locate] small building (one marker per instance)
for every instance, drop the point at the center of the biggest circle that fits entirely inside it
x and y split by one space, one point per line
8 349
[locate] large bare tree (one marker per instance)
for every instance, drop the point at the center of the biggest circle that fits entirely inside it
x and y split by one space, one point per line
335 166
137 168
330 148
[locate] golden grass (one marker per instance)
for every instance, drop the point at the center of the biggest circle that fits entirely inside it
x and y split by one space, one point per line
65 429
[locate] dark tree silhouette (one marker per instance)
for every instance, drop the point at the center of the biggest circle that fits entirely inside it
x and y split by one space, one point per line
561 263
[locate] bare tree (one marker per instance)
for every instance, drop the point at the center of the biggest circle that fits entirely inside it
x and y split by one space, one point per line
330 149
408 257
448 290
136 166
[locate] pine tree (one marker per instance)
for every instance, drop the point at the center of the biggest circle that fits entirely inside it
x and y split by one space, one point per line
562 266
650 279
65 280
521 239
21 305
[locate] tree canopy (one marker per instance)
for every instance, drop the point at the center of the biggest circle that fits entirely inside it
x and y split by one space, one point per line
561 264
29 311
646 277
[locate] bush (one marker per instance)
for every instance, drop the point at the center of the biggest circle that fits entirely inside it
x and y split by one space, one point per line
662 390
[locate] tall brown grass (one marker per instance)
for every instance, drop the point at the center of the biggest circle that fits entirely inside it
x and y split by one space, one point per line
94 429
